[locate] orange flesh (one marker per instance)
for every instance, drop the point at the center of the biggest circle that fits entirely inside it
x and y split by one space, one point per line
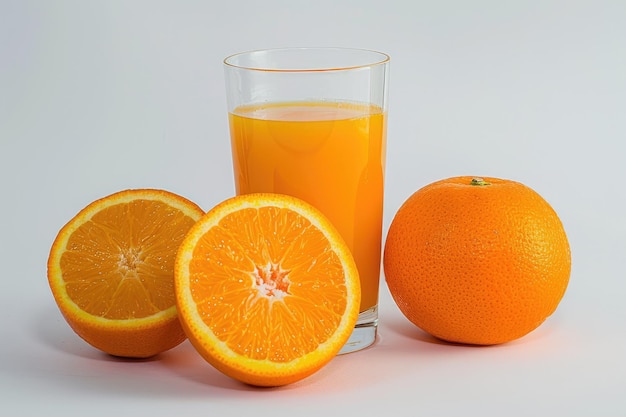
272 270
111 273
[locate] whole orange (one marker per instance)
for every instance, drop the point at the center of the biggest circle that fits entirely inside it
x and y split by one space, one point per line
477 260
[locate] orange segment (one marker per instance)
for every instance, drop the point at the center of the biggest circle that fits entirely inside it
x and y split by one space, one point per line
267 290
111 271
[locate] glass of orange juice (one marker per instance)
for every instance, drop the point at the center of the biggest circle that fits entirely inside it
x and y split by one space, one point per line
311 123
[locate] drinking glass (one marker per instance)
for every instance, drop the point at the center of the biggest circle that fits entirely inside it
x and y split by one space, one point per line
311 123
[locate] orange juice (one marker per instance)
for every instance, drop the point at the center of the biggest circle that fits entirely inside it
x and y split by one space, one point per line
331 155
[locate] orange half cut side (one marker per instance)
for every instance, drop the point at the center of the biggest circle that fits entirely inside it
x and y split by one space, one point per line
111 271
267 290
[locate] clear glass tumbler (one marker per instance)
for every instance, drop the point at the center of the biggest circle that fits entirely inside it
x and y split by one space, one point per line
311 123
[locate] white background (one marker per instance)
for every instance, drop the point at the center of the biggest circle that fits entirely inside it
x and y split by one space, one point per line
100 96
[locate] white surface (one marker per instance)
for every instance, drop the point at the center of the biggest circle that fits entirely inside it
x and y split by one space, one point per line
97 97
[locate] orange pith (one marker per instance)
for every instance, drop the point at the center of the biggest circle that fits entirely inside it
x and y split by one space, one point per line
111 271
477 262
267 291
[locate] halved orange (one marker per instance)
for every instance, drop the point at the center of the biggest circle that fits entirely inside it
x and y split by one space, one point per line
111 271
267 290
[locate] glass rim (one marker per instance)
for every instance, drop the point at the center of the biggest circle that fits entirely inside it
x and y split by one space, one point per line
383 59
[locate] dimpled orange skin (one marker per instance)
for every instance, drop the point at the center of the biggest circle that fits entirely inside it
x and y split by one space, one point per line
477 264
